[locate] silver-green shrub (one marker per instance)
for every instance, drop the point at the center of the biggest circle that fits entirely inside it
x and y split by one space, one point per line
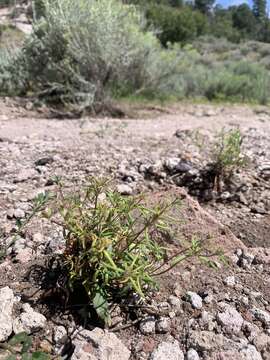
81 52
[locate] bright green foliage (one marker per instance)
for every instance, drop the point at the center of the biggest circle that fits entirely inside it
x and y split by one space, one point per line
20 348
114 244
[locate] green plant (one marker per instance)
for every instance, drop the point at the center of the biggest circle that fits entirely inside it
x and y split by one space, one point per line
38 204
227 155
20 345
114 244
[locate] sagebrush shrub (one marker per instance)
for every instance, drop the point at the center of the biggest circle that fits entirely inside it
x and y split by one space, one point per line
80 52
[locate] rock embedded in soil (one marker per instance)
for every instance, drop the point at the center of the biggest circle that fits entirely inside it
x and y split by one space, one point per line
29 321
124 189
162 326
230 320
205 340
167 351
7 300
98 344
147 325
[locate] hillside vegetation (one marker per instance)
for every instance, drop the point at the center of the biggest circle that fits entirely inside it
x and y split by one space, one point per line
83 54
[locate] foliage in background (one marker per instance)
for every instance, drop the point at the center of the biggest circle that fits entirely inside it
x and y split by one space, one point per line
73 59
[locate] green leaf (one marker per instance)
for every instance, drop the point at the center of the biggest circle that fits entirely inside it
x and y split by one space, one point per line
101 306
21 338
39 355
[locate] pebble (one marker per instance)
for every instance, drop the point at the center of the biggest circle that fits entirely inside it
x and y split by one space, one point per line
162 326
167 351
147 326
194 299
230 320
124 189
229 281
192 355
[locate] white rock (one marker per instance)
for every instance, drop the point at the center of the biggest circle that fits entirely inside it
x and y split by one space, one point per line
19 213
7 300
175 303
230 320
162 326
195 300
124 189
99 344
29 321
167 351
250 353
192 355
230 281
147 325
60 335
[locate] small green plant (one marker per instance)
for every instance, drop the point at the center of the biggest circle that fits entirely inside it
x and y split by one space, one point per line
115 244
227 155
38 204
19 347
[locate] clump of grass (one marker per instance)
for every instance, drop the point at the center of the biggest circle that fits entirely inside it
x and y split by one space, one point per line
227 155
114 244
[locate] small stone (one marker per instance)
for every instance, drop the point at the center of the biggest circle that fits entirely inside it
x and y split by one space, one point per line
230 281
262 342
194 299
60 335
44 161
124 189
19 214
230 320
99 344
29 321
250 353
209 299
205 340
262 316
175 303
147 326
24 255
192 355
7 300
167 351
162 326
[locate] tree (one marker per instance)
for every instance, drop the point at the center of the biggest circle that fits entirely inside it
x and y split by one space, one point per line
204 5
243 19
259 9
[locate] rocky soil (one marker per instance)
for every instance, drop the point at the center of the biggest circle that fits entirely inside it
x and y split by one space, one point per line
199 312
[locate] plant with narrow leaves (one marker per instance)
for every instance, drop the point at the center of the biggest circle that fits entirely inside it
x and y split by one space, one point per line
227 155
38 204
20 347
115 244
